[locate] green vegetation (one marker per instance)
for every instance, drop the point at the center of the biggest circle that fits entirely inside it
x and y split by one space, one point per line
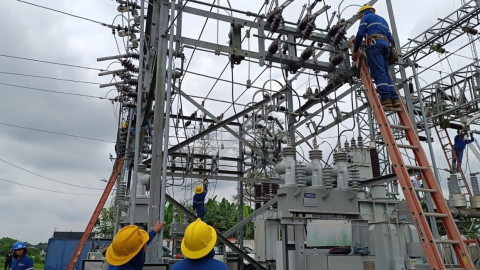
36 252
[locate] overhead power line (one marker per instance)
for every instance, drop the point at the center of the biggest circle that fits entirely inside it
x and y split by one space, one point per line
76 16
49 190
45 77
57 133
48 178
52 91
48 62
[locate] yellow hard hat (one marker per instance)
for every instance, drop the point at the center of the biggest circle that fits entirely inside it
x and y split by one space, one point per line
199 240
199 190
365 8
126 244
124 125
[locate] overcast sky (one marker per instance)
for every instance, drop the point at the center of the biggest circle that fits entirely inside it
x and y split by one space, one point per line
32 215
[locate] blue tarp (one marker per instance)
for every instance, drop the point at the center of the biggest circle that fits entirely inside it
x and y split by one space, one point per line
60 251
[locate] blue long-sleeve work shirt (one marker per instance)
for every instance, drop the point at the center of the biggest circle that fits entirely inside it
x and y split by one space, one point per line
199 200
371 24
461 143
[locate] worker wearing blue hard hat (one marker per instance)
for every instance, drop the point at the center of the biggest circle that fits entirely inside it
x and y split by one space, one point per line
20 259
379 46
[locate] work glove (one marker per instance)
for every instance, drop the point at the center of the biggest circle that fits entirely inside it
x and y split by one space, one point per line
471 134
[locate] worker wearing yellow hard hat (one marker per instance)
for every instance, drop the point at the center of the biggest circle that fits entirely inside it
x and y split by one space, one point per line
366 7
199 199
127 250
380 50
197 247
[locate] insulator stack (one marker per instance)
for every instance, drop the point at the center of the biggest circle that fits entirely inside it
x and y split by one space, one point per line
340 157
258 195
134 55
453 186
274 190
339 37
266 192
308 30
438 48
129 65
354 178
328 177
475 185
375 162
337 60
360 142
274 46
300 173
333 31
307 53
353 143
347 146
470 30
277 20
132 82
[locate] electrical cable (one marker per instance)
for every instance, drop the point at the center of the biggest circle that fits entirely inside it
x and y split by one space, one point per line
44 77
57 133
48 62
65 13
48 178
53 91
49 190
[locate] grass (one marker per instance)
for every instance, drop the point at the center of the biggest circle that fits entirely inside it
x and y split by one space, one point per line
38 266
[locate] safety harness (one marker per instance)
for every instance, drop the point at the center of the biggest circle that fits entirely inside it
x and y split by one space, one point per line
372 40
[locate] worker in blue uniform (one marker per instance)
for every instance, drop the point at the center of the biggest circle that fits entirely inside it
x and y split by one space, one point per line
199 199
458 146
128 247
20 259
378 39
198 248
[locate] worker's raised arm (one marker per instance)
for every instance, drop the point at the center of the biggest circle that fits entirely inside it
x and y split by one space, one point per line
362 30
205 187
471 138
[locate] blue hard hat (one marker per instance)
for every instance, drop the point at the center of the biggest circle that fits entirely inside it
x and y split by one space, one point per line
419 175
19 245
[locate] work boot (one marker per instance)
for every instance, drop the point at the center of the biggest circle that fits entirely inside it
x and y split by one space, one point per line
387 103
396 103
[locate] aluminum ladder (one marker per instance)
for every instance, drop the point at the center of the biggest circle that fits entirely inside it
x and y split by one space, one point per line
425 234
446 144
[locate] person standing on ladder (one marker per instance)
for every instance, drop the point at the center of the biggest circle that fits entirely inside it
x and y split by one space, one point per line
379 42
458 146
199 199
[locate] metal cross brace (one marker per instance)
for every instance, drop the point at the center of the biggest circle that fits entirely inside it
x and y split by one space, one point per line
220 237
229 129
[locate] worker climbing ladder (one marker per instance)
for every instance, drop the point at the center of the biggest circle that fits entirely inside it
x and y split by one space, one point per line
93 220
446 144
429 243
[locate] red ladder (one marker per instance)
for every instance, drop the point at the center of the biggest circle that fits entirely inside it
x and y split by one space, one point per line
401 169
446 143
91 224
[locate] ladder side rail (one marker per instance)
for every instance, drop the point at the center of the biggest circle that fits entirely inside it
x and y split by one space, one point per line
91 224
438 198
420 222
439 131
459 166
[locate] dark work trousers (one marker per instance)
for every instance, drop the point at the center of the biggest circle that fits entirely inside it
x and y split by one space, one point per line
378 57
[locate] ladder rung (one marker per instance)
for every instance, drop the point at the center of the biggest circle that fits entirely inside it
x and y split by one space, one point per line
406 146
439 215
400 127
419 168
447 242
425 190
391 109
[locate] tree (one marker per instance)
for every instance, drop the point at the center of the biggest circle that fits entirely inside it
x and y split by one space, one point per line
104 227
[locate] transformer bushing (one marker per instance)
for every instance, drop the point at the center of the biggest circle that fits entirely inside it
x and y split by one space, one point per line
327 177
287 166
475 200
300 173
360 142
315 167
355 179
457 199
341 169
